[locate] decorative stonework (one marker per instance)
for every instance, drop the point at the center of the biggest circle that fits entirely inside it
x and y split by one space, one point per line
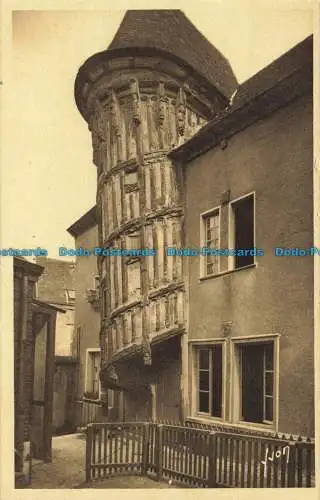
92 296
140 114
181 112
226 328
136 115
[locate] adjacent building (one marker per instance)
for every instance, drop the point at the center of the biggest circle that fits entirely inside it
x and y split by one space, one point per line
56 286
143 96
34 342
248 184
187 158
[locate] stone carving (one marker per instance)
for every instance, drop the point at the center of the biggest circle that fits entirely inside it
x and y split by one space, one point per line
97 126
136 102
162 101
115 114
226 328
92 296
181 112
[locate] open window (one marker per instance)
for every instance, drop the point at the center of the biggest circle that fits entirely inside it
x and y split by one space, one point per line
242 231
255 382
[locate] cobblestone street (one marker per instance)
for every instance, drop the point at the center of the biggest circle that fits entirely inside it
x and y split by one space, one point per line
67 469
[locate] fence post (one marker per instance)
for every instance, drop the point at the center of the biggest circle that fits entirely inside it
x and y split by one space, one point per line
88 451
292 467
145 449
159 451
212 452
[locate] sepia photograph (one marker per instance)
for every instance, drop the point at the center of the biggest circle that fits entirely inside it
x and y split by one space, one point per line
160 225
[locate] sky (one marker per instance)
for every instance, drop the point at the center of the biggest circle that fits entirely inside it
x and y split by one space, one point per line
48 179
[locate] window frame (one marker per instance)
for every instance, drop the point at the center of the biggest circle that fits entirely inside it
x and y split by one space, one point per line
235 402
69 299
231 230
204 216
196 347
88 352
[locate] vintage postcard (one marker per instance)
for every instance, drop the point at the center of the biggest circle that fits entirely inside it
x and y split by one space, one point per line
159 247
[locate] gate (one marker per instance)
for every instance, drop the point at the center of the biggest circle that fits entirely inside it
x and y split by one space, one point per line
113 449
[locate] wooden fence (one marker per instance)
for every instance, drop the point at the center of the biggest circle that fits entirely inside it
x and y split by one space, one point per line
87 411
196 457
116 449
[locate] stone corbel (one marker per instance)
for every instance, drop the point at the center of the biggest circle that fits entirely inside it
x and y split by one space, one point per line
92 296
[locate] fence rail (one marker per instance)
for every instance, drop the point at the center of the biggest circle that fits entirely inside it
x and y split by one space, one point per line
197 457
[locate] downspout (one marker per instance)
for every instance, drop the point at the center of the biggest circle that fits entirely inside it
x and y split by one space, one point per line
20 401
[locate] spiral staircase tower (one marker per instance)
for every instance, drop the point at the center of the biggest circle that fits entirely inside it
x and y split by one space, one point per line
150 91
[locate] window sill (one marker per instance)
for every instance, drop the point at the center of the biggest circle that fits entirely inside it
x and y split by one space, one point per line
267 428
224 273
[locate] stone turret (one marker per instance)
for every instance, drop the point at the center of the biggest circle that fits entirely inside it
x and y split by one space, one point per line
155 86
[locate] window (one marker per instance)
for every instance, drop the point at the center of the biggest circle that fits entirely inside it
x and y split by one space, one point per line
70 296
92 374
131 178
242 231
134 279
211 241
133 241
257 382
209 380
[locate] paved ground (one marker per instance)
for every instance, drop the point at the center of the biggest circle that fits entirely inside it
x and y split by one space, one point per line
126 482
67 469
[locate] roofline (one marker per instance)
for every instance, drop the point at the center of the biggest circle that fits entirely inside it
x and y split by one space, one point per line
137 51
45 305
297 82
26 265
86 221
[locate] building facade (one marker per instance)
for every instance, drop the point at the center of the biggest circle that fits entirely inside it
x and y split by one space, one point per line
34 341
186 157
56 287
248 183
142 97
91 402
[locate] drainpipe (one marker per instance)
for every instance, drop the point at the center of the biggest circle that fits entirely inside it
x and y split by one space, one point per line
20 401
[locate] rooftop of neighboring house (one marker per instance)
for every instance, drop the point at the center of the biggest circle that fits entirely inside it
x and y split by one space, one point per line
57 282
85 222
28 267
279 83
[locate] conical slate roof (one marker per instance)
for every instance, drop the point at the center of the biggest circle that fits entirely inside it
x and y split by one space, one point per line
171 31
